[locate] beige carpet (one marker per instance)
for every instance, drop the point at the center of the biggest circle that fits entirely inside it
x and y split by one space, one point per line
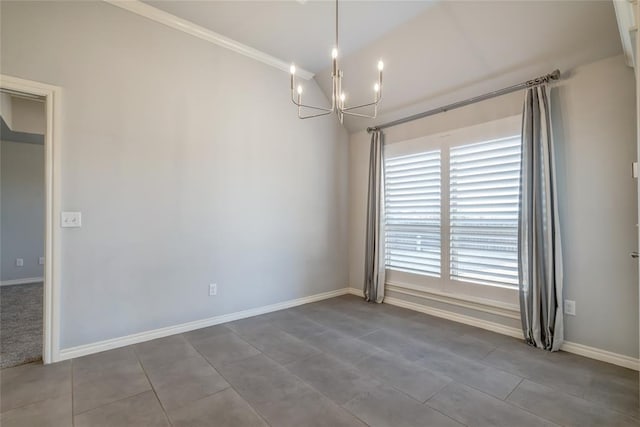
20 324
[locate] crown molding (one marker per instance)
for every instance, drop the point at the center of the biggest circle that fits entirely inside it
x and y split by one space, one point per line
162 17
627 25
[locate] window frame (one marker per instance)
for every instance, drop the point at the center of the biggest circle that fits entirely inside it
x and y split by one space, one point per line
444 141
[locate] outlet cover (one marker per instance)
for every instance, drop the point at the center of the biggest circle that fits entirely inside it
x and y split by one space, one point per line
19 262
213 289
569 307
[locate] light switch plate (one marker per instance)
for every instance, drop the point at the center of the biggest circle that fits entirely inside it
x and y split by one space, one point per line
71 219
41 260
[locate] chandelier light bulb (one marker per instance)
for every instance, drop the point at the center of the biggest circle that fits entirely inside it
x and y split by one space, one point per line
299 90
292 69
334 53
376 87
343 97
380 65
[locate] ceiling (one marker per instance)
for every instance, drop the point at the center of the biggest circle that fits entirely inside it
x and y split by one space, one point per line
435 52
300 32
460 49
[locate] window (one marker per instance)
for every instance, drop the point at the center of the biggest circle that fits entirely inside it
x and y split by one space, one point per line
451 206
483 211
412 213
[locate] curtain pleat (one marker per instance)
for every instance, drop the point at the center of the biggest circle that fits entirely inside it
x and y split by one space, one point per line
374 271
540 251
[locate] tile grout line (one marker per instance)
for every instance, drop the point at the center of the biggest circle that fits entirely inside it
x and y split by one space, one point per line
452 380
36 401
377 378
337 330
514 389
590 402
353 366
111 402
155 393
125 397
481 360
437 410
446 415
293 374
226 380
551 386
315 389
500 400
357 338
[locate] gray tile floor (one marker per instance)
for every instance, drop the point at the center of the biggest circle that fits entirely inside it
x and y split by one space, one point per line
339 362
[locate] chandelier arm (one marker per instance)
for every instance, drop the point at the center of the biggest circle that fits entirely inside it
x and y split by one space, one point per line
314 115
367 116
329 110
299 104
361 106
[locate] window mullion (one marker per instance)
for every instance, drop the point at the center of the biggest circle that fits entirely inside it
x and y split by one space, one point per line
444 215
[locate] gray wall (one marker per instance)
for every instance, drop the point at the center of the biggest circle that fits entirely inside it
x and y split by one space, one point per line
594 125
189 166
21 209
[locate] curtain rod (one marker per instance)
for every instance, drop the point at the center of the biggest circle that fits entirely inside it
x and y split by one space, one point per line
554 75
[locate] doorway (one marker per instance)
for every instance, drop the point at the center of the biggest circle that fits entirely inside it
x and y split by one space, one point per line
22 212
29 195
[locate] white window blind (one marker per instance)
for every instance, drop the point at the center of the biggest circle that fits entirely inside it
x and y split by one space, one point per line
483 198
412 212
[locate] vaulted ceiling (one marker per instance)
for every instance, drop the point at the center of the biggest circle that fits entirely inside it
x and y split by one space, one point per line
434 51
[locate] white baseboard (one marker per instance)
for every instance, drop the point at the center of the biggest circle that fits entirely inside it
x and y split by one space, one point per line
86 349
569 347
21 281
354 291
602 355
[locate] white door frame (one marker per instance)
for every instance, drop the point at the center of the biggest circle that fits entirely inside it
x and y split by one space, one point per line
637 75
52 142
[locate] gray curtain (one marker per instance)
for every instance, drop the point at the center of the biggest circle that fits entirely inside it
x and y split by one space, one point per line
374 270
540 252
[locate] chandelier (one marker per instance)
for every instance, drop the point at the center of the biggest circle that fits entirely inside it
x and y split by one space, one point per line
338 96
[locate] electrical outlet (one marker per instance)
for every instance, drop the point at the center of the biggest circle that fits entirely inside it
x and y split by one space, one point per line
41 260
19 262
213 289
569 307
71 219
